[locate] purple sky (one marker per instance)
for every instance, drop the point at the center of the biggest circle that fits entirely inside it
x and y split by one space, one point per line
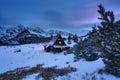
71 15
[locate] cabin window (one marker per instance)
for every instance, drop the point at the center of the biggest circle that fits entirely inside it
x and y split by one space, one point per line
60 42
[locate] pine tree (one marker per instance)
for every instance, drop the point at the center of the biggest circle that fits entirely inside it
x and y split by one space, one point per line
1 43
86 48
69 39
75 38
108 41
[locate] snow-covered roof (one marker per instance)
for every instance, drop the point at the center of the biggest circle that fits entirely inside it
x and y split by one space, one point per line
52 41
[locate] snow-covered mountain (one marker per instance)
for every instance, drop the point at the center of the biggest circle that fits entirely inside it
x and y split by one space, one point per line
8 36
55 32
2 31
83 32
15 34
36 29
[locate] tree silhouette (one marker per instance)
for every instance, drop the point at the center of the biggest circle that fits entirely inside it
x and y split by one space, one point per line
108 41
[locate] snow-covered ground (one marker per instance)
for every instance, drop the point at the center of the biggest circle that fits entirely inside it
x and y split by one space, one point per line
12 57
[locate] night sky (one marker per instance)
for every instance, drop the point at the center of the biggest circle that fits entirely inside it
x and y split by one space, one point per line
70 15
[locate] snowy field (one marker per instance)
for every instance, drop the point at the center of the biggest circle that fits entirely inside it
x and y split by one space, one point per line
12 57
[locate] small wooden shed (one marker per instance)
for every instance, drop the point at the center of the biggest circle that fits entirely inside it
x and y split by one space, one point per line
57 44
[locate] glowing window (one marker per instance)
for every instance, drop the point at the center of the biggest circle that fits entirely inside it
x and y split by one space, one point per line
60 42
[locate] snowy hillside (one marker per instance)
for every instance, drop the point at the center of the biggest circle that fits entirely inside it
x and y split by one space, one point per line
12 57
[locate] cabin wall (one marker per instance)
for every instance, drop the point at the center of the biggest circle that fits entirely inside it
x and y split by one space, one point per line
55 50
59 42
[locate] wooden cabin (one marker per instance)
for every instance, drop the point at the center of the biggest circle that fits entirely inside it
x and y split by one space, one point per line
56 45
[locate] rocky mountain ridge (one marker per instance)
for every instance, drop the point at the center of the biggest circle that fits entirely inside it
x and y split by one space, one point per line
21 34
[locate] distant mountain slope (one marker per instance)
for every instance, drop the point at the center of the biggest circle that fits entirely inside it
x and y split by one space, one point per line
83 32
20 33
9 36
